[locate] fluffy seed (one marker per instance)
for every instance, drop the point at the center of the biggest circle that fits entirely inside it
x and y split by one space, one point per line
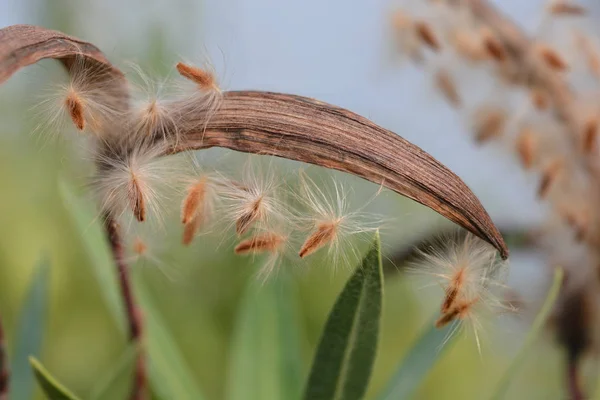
245 221
445 83
204 79
194 201
460 311
427 35
526 147
492 45
552 58
74 107
564 8
136 199
268 242
453 290
489 124
139 247
322 236
190 228
549 175
590 135
469 46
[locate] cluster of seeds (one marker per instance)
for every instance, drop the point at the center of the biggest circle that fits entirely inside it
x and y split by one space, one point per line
134 176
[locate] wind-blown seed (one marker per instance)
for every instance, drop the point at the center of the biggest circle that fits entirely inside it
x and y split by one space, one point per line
549 176
469 46
139 247
590 52
590 135
194 201
564 8
539 99
493 46
323 235
453 290
445 83
204 79
136 199
427 35
460 311
190 228
74 107
245 221
526 147
268 242
489 124
552 58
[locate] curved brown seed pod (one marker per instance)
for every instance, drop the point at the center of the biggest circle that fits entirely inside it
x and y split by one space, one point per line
292 127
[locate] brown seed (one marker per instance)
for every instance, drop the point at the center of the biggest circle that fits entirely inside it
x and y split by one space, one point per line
136 199
493 46
261 243
190 228
526 147
427 35
590 135
453 290
204 79
324 234
75 108
469 46
139 247
460 310
549 175
539 98
591 54
246 220
445 83
194 201
489 124
564 8
552 58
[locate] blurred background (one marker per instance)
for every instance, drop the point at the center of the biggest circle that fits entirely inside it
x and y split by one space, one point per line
336 51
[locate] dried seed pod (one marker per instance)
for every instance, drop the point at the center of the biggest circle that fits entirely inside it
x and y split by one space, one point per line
552 58
323 235
590 135
427 35
539 98
268 242
489 124
74 107
445 83
567 8
527 147
549 176
493 46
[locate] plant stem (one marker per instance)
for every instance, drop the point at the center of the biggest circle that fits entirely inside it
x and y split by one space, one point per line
132 311
573 385
3 366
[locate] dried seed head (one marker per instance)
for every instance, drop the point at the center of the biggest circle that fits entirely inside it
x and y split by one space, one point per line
549 175
489 124
539 98
552 58
425 32
527 147
567 8
268 242
445 83
590 135
492 45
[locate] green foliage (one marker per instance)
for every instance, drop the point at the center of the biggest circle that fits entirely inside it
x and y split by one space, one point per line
420 359
344 359
51 387
30 332
266 360
108 386
532 335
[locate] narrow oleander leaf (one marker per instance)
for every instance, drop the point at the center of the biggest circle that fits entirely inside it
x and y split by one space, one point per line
169 376
266 362
114 384
282 125
536 328
30 331
94 242
344 359
417 363
50 386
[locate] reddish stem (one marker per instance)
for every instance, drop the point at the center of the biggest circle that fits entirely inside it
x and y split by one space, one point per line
3 366
573 384
133 312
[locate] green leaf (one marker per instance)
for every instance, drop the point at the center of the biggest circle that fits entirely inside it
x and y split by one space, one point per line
168 372
420 359
538 323
266 359
52 388
94 242
30 331
116 383
344 359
